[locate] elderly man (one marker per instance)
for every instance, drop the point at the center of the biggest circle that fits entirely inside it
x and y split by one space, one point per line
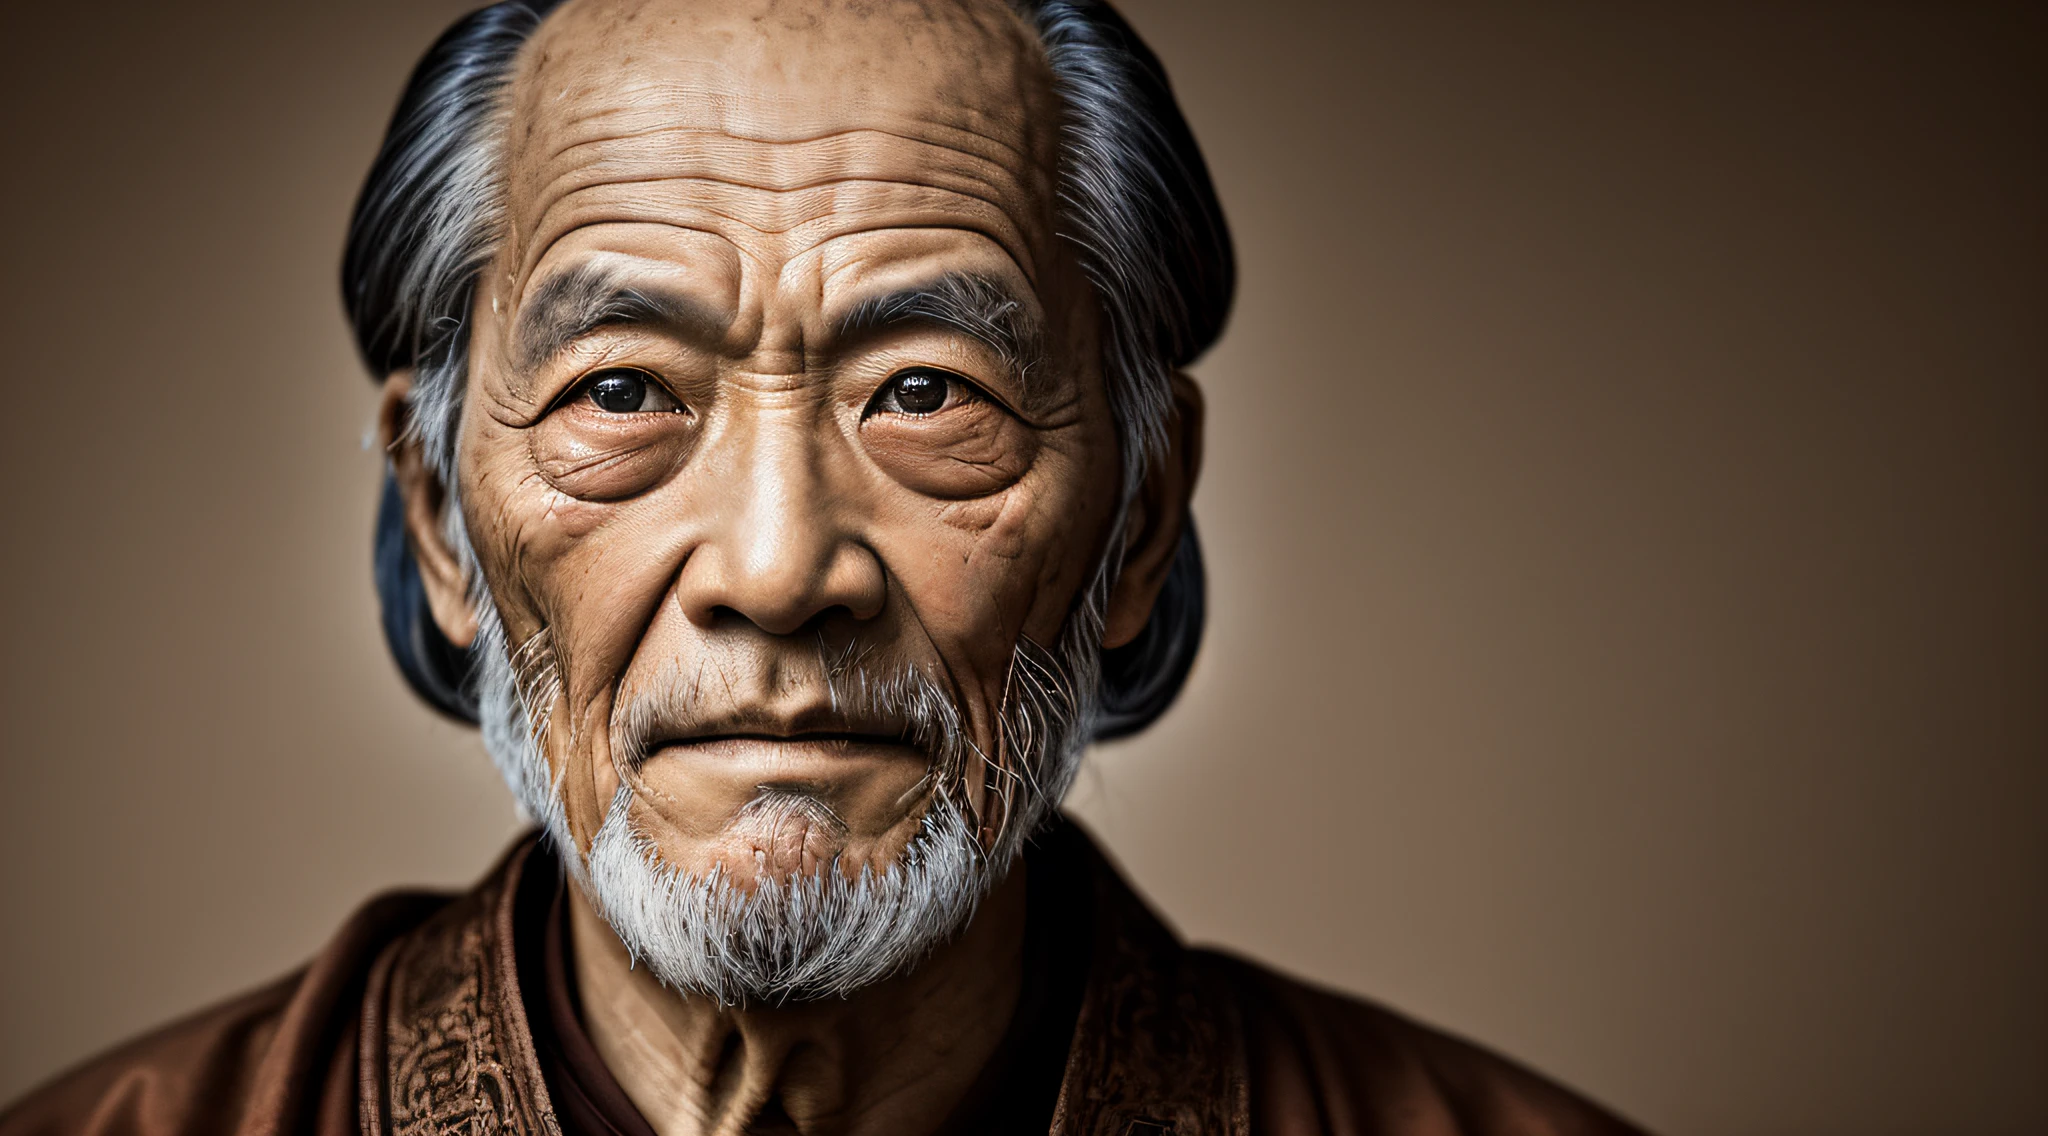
789 469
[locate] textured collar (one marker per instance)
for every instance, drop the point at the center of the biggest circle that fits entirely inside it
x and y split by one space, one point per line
446 1046
1158 1048
447 1050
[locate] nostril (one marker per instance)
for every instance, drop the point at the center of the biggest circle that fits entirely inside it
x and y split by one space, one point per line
779 620
815 622
835 581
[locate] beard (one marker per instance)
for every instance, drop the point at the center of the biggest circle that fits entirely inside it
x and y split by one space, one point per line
817 935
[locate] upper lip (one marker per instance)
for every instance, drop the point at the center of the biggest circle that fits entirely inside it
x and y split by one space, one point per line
901 738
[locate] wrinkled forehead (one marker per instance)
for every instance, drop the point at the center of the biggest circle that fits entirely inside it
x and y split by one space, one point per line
788 96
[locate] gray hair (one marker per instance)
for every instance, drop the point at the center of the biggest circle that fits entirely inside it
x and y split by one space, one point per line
1135 201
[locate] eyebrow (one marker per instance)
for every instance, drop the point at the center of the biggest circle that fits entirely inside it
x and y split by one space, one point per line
981 306
573 304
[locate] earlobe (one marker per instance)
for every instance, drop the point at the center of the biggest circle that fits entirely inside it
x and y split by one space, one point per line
1158 513
441 574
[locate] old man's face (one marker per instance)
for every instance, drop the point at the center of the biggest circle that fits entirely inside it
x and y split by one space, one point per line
784 418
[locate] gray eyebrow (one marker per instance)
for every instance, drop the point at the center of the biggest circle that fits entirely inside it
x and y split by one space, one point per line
573 304
977 305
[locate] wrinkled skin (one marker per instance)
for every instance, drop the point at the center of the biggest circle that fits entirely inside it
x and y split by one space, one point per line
756 490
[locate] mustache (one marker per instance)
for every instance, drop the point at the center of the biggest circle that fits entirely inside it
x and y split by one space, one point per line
850 695
860 694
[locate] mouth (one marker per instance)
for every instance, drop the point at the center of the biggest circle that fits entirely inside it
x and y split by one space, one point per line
821 756
709 784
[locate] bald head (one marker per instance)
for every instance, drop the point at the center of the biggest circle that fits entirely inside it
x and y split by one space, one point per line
779 111
810 65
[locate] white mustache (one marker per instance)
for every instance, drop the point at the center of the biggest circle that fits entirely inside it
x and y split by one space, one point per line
858 697
851 691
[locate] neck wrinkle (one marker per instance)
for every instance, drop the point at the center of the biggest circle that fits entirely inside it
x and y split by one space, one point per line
896 1059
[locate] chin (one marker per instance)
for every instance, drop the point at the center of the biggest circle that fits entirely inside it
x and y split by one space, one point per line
783 834
769 932
780 811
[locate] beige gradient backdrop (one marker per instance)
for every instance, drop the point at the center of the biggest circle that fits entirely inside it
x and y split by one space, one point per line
1627 506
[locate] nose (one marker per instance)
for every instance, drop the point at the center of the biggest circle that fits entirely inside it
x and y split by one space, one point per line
779 550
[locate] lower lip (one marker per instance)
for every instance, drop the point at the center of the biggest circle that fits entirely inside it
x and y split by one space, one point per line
701 787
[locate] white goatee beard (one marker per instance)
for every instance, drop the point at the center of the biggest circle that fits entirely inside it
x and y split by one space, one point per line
810 936
821 935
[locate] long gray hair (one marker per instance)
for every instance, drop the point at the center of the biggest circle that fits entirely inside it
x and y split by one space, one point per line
1135 202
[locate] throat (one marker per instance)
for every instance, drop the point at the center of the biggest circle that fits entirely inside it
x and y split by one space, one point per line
902 1057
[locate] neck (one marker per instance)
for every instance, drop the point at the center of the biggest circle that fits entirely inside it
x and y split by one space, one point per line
896 1058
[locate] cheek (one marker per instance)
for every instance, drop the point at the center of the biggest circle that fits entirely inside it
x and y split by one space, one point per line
981 573
601 593
591 572
1054 548
598 596
579 754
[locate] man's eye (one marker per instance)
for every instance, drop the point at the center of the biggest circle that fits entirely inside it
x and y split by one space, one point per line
917 391
623 391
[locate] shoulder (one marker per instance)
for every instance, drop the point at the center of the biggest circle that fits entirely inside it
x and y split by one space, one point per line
1328 1064
260 1062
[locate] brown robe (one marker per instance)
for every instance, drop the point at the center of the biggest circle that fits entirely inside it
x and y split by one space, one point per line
412 1021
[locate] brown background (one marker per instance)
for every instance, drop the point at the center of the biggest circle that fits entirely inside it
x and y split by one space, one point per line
1625 503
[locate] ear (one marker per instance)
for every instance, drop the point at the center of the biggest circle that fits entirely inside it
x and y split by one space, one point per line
1158 512
441 575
